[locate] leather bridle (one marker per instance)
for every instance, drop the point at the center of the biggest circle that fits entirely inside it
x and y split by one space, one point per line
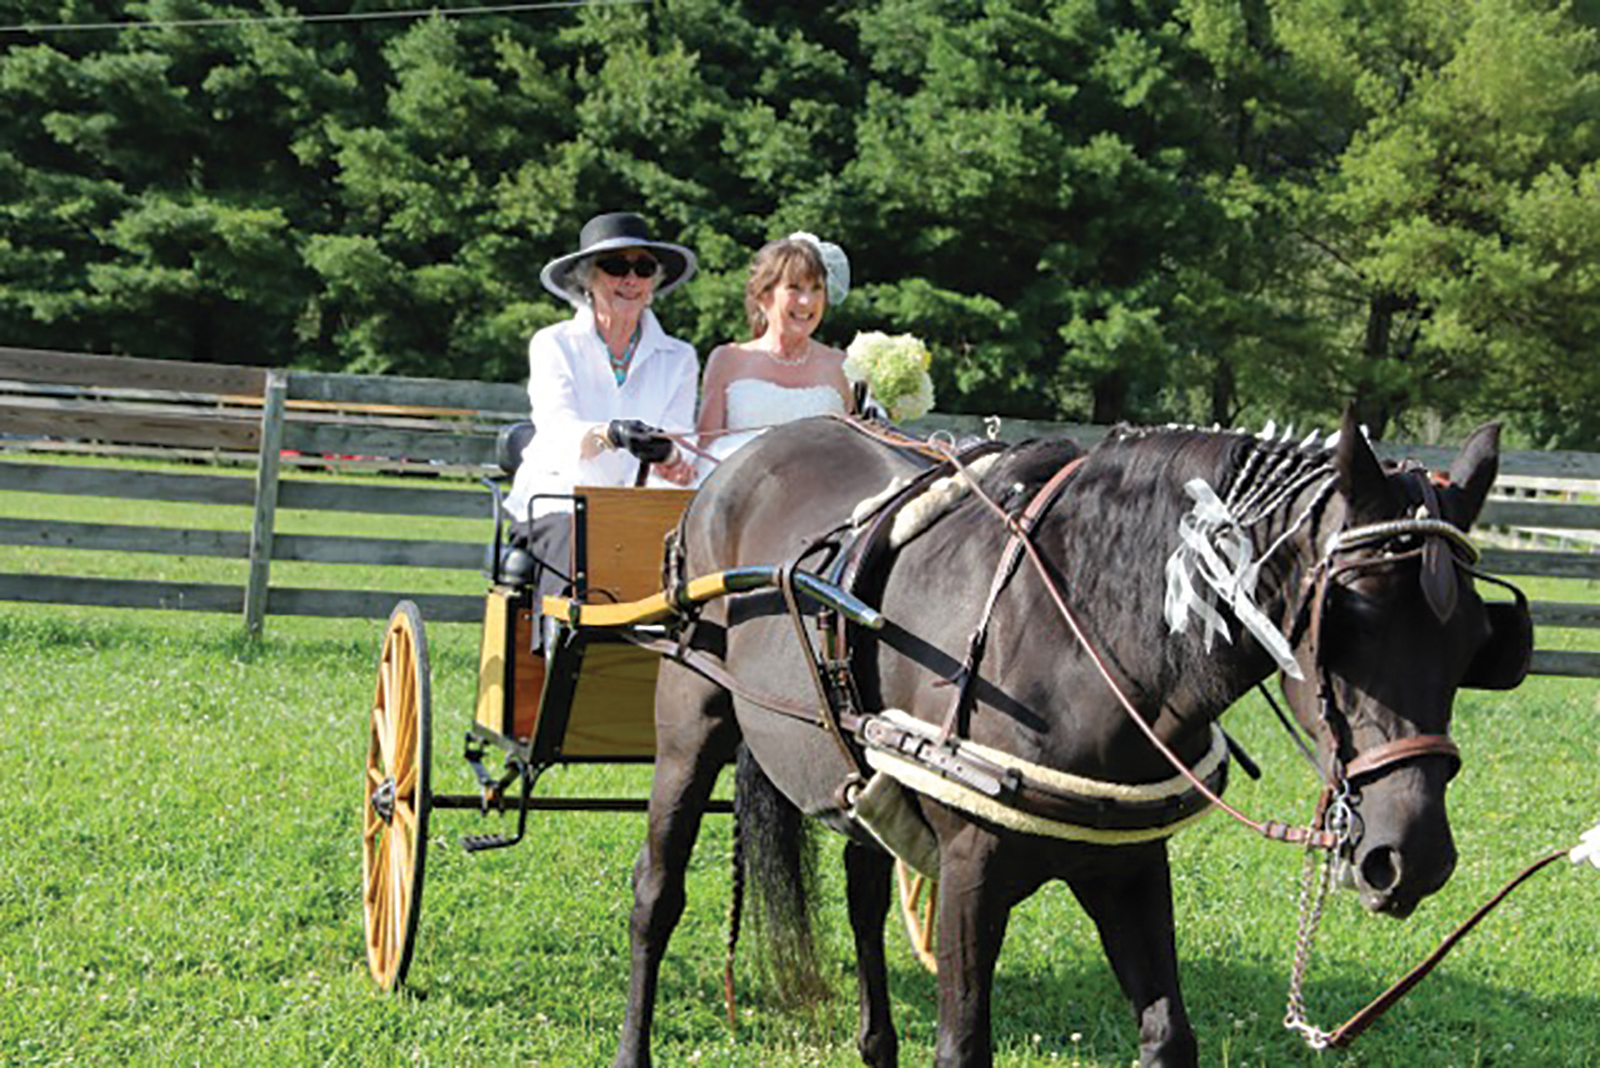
1372 762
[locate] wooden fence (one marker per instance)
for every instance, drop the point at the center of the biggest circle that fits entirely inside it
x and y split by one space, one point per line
263 424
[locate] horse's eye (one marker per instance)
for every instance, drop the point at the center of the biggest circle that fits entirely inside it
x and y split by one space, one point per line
1357 610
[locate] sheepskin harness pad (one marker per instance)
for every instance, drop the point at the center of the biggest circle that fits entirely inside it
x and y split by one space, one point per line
1022 796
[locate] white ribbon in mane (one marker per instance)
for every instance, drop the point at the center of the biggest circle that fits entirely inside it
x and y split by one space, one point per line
1216 550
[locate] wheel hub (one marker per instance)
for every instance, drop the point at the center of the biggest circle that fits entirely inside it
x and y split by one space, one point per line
383 800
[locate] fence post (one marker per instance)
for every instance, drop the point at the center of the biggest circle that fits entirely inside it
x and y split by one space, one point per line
255 591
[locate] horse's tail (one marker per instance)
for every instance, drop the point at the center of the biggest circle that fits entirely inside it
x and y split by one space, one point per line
736 898
774 858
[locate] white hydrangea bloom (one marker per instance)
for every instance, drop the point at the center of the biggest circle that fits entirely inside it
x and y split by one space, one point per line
895 370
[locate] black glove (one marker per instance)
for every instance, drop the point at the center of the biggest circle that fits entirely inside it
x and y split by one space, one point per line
646 442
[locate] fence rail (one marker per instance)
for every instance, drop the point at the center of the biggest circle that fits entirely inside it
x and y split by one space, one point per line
269 422
257 419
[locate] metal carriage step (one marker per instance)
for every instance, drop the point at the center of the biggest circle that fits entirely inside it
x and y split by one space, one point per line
477 843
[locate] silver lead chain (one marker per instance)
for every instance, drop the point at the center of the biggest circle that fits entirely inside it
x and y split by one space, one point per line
1314 883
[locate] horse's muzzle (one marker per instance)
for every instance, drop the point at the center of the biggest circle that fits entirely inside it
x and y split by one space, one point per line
1392 879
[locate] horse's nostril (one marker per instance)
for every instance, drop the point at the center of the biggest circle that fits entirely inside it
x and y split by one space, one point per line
1380 869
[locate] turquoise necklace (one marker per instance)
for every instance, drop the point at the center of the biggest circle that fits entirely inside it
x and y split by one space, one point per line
619 364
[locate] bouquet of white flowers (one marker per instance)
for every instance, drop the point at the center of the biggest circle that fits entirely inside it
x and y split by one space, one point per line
895 370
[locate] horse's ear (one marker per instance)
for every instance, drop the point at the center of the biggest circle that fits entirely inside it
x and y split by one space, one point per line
1361 478
1472 473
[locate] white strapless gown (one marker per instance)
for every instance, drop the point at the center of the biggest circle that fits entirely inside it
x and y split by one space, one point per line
757 404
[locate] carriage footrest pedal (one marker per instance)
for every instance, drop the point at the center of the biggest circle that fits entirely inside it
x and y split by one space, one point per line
477 843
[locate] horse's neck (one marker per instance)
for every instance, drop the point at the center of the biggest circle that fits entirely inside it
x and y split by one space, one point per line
1121 533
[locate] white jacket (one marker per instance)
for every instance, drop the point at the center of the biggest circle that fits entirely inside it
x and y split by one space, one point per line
571 388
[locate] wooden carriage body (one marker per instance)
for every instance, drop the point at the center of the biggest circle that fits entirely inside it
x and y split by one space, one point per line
591 696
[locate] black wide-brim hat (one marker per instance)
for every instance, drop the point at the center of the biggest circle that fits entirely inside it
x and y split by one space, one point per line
610 233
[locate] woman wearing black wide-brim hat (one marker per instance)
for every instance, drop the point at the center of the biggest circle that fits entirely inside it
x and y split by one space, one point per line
599 382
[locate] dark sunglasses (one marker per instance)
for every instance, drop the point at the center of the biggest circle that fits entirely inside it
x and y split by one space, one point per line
619 266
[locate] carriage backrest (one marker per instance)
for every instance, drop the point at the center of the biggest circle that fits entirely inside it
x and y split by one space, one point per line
623 530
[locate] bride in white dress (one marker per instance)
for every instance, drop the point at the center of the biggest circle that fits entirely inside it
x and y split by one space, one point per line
782 373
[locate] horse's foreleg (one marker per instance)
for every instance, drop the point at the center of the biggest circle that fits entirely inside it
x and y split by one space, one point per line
1133 913
868 874
977 889
695 737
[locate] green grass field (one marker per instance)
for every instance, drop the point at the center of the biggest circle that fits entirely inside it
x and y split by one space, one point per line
180 884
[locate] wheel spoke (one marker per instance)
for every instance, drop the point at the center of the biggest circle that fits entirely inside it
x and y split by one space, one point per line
405 817
384 716
405 739
400 894
407 783
378 910
379 869
405 710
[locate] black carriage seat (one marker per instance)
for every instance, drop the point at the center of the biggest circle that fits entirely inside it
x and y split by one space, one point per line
509 445
510 564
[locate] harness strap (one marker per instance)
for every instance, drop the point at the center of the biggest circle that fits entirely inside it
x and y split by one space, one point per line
706 666
1021 528
1380 758
834 702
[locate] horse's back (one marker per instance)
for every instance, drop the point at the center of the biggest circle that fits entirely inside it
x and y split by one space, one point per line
767 502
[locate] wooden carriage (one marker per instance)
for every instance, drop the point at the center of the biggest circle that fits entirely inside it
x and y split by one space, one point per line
583 691
584 694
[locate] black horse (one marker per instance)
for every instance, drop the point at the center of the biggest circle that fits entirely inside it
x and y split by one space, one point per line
1356 585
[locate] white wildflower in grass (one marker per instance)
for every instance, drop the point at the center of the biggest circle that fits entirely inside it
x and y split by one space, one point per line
895 369
1588 848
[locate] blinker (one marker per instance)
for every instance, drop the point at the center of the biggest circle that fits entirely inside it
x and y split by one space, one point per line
1502 662
1438 574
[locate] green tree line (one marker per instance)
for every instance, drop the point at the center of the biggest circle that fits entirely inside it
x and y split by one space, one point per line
1200 210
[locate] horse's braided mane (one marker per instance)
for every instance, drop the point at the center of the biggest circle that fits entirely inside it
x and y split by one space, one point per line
1128 502
1257 475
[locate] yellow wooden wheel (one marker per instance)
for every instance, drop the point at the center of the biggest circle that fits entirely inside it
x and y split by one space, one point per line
919 905
394 837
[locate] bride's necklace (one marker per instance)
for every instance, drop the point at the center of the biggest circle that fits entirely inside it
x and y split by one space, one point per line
777 356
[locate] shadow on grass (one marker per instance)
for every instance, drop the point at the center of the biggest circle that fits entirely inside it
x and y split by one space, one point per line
1072 1012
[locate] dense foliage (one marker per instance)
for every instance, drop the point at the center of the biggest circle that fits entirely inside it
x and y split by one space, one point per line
1139 209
